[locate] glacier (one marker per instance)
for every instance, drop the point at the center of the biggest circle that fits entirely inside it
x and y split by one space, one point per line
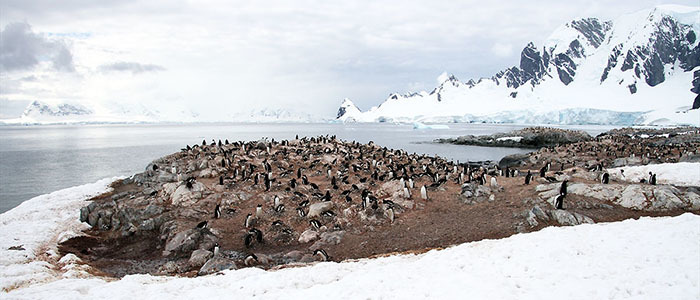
639 69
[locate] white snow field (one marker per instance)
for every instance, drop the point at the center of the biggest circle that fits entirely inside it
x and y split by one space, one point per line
649 258
682 173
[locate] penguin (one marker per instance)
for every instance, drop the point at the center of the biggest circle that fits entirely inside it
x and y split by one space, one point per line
424 193
250 260
221 180
327 196
559 203
216 249
248 221
562 189
494 184
528 177
653 179
410 183
258 211
202 224
217 212
390 214
257 233
605 179
301 212
321 254
304 203
348 199
406 193
315 224
543 171
279 208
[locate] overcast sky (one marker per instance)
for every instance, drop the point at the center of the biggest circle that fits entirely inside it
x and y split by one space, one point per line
217 57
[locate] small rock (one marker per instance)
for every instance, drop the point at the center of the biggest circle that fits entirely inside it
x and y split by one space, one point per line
216 264
199 257
308 236
316 209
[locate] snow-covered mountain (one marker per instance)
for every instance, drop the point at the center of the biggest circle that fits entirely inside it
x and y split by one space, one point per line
51 112
269 115
641 68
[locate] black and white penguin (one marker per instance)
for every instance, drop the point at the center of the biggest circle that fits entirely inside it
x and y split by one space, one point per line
202 224
257 233
217 212
559 203
528 177
424 193
605 179
250 260
653 179
543 171
321 254
327 196
221 180
301 212
562 189
390 214
406 193
494 183
248 221
258 211
315 224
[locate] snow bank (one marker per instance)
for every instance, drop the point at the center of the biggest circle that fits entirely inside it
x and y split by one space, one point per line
651 258
37 225
682 173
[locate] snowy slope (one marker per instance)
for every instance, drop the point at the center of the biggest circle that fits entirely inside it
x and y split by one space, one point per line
684 173
51 112
640 67
650 258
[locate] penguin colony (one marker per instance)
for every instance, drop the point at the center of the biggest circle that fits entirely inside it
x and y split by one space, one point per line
286 178
258 198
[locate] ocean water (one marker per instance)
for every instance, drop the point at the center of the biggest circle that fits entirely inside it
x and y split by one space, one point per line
36 160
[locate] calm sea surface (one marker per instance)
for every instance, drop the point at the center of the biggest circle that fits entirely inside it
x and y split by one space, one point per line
36 160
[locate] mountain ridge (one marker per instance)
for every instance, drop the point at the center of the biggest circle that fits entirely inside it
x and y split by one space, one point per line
655 48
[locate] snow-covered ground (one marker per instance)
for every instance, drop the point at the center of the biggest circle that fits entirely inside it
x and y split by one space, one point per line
650 258
683 174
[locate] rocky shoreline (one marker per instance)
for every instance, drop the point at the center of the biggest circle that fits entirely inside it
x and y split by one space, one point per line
273 204
531 137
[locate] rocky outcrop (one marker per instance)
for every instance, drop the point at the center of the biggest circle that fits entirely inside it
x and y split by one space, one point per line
531 137
634 196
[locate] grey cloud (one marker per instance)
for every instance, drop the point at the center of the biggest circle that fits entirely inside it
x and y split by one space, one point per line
22 49
132 67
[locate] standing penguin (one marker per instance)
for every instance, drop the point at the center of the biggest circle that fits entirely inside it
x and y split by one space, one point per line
258 211
217 212
562 189
528 177
494 183
543 171
605 179
559 203
390 213
653 179
424 193
248 221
